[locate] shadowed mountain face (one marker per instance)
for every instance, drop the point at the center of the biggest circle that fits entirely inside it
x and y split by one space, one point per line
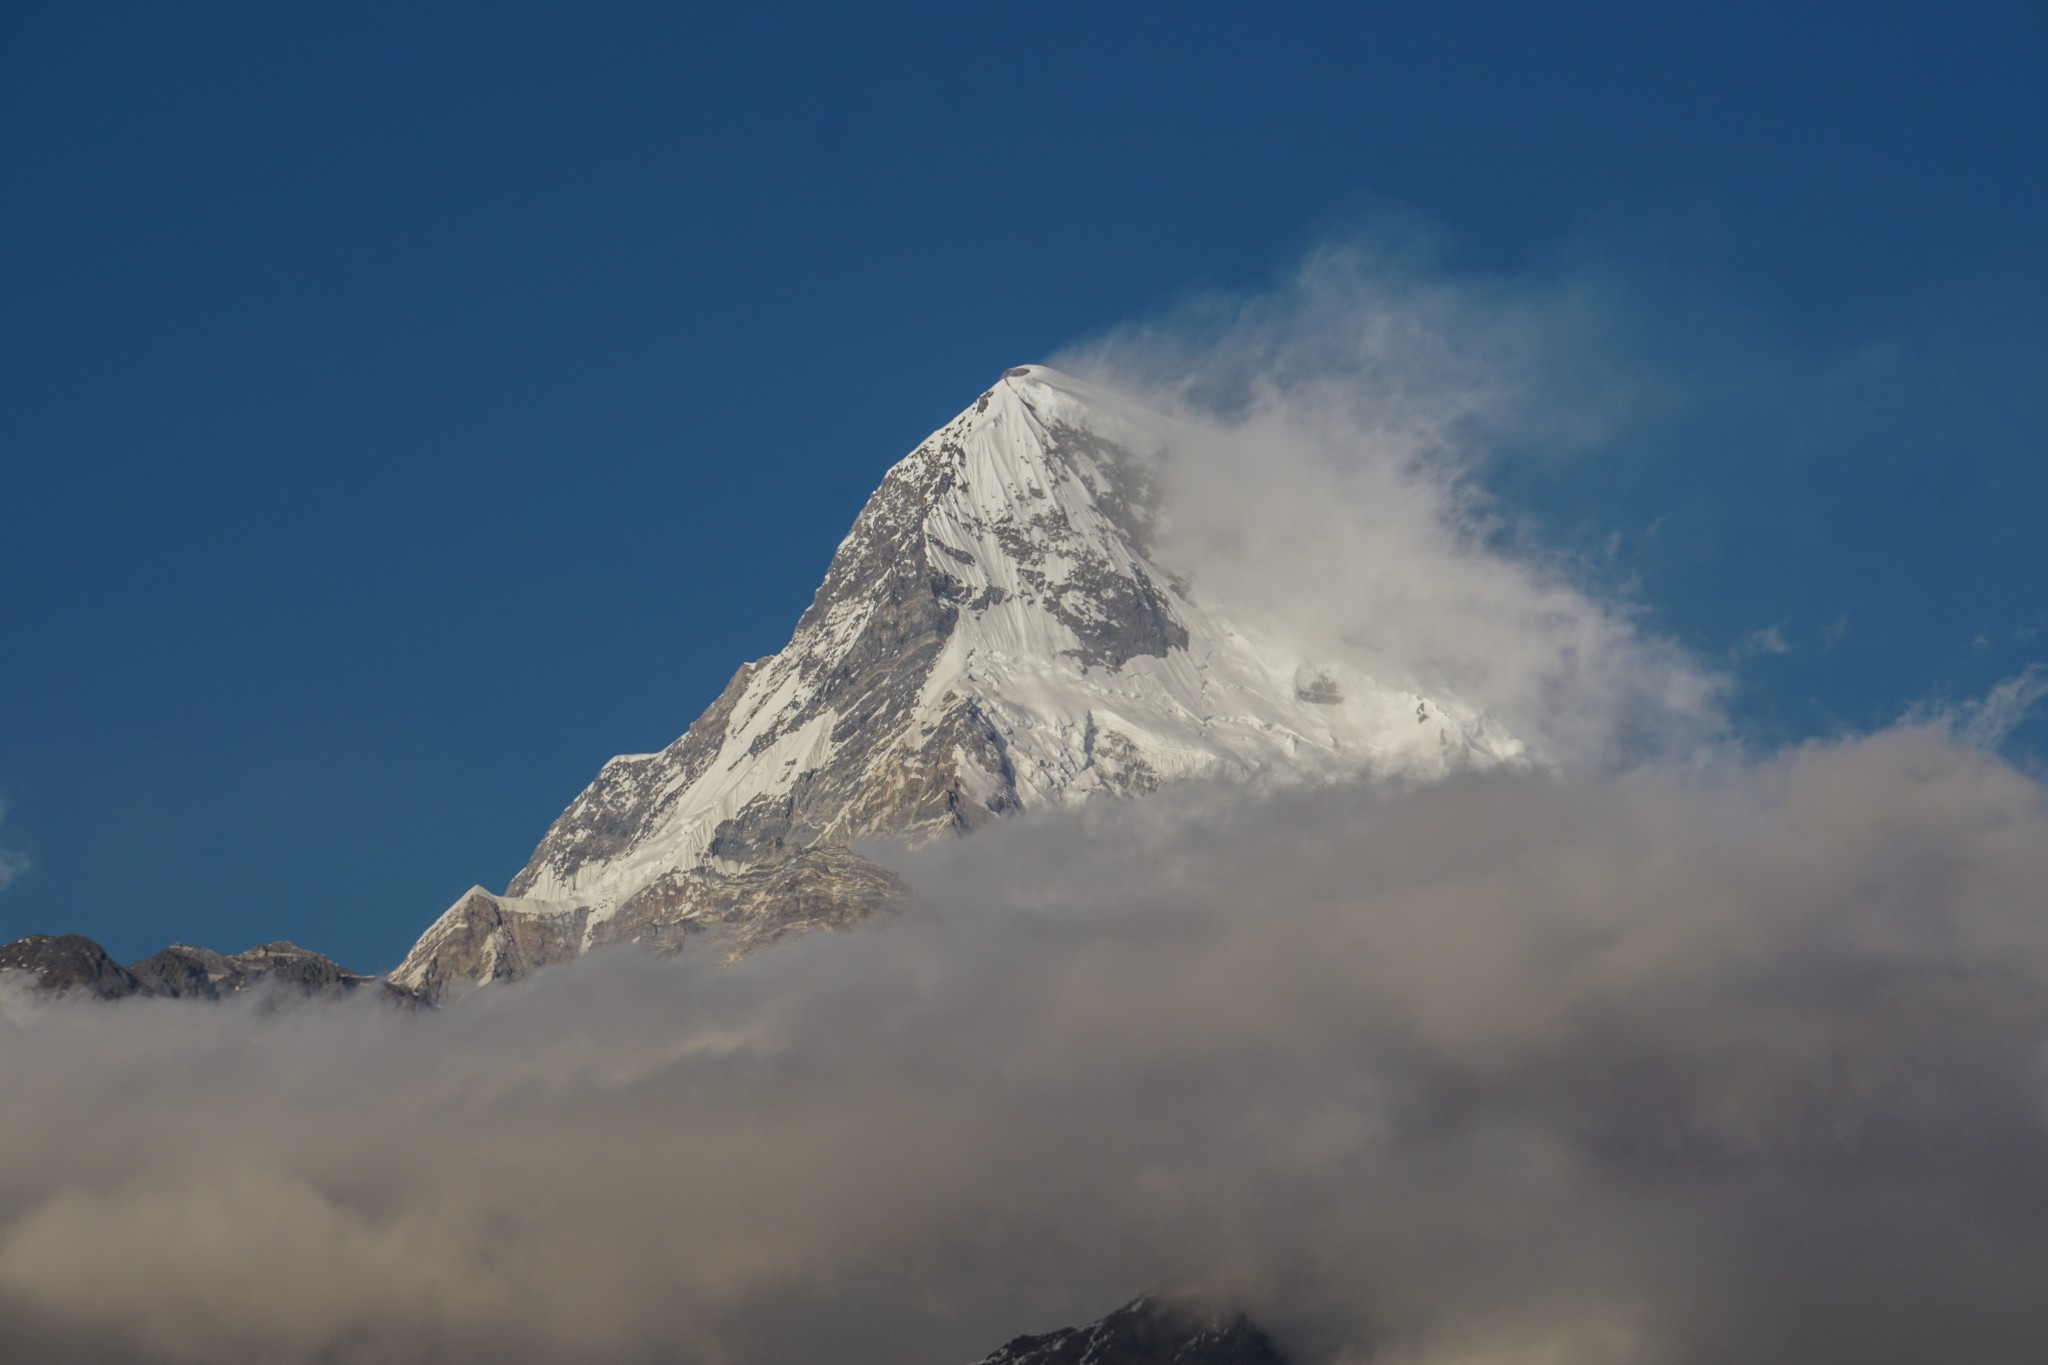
1149 1330
184 971
995 634
72 962
67 962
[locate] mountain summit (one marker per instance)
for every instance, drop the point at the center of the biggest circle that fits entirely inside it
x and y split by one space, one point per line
1150 1330
993 635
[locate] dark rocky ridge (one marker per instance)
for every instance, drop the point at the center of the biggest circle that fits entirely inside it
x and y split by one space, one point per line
1150 1330
66 962
72 962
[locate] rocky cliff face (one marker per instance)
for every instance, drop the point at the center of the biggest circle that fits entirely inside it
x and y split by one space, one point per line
72 962
1150 1330
184 972
68 962
994 634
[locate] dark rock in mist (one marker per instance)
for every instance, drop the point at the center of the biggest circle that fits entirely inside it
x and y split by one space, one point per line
1152 1329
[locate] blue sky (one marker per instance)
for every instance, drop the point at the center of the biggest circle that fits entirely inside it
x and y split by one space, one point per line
403 408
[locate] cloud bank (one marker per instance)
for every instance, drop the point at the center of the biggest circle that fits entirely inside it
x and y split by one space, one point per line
1520 1068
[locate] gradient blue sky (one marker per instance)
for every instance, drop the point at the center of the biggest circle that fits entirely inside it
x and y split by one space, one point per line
404 408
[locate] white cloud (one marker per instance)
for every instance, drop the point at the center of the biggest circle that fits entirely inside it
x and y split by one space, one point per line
1326 478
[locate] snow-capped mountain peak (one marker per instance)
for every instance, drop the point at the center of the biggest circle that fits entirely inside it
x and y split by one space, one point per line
994 634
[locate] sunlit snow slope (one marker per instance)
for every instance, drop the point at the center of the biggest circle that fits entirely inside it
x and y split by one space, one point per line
993 635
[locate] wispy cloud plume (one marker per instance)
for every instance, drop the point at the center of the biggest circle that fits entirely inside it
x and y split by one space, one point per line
2004 708
1325 480
1988 721
13 862
1768 641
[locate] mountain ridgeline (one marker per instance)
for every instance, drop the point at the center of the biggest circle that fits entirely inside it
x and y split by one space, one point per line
66 964
995 634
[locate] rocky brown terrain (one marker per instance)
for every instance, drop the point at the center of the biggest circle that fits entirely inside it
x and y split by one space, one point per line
65 963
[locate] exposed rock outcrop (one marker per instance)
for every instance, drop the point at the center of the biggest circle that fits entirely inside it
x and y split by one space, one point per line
72 962
69 962
1150 1330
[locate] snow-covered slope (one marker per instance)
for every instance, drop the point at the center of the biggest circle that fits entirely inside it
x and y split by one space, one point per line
993 635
